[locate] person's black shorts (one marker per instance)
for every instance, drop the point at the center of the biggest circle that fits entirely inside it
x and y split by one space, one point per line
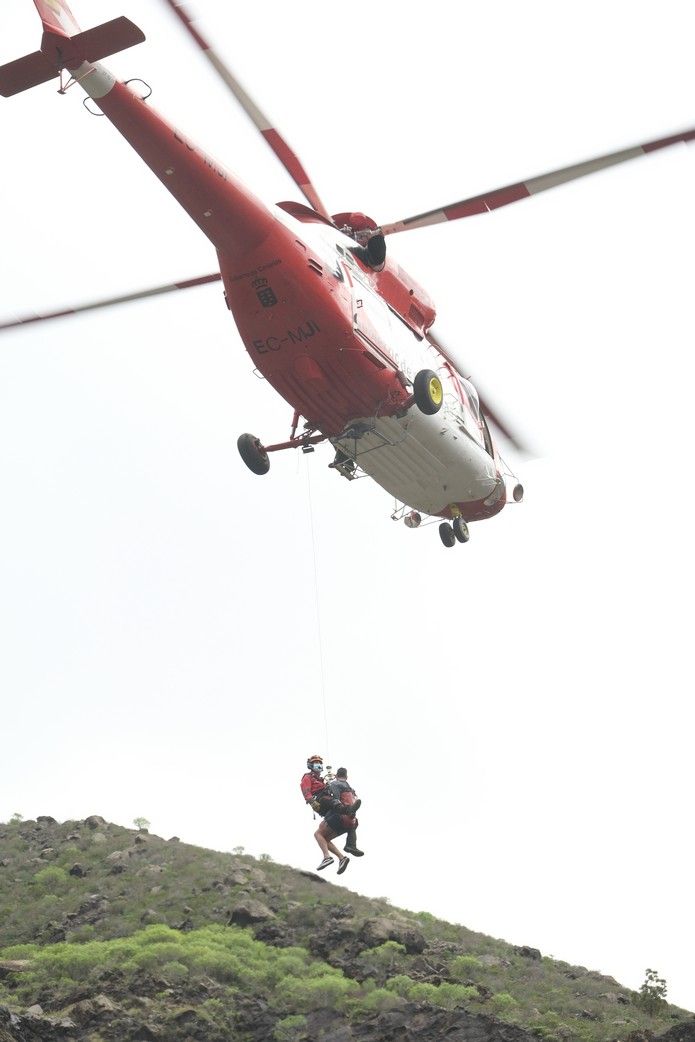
334 823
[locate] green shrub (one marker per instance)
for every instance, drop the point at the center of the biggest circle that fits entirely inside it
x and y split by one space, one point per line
81 934
446 995
48 904
72 962
384 960
400 984
175 972
290 1029
652 994
328 991
502 1001
464 966
154 956
19 951
378 999
451 995
156 933
217 963
426 917
219 1012
52 879
290 966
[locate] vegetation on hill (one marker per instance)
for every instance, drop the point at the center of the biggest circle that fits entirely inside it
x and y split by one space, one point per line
118 934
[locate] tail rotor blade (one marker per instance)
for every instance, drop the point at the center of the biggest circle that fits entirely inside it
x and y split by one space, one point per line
487 201
106 302
277 143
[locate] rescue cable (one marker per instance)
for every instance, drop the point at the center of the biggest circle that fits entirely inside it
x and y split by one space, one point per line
317 609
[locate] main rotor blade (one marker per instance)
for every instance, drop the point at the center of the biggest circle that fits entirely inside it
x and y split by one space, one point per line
108 302
282 150
487 201
493 416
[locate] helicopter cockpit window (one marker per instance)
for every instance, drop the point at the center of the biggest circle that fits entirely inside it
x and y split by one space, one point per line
472 396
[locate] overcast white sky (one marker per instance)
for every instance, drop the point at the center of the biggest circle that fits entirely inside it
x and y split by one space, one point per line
516 713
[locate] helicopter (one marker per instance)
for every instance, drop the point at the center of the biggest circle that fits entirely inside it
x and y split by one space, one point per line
327 316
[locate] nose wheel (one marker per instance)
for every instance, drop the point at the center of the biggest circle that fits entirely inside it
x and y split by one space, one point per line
450 534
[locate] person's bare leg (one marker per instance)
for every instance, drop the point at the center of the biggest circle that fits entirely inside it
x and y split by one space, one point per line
322 842
328 835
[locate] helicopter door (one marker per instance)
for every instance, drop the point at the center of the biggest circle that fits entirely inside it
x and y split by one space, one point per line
372 320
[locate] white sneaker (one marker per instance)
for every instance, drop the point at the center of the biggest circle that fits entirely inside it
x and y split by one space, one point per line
325 863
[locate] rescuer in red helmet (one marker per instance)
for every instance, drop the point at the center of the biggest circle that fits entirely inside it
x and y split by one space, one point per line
318 795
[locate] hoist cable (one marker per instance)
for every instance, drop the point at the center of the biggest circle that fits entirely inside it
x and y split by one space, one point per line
317 609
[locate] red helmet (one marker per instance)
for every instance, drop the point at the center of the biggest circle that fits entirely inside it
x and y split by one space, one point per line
315 763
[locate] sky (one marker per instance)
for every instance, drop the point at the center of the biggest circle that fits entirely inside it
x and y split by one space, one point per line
178 635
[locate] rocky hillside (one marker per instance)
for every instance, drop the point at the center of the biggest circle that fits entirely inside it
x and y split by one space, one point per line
112 934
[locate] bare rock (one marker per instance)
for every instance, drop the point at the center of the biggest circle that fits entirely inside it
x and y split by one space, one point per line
528 953
8 966
274 933
91 1009
492 961
54 933
78 870
313 876
250 911
94 821
185 926
389 928
684 1031
257 876
46 819
151 916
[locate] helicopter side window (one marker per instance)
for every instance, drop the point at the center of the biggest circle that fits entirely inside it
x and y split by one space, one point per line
472 396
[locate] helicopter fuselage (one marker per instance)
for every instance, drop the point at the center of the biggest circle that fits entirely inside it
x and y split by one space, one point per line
319 327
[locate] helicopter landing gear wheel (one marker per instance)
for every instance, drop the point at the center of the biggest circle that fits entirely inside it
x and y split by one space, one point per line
428 392
461 530
253 454
446 534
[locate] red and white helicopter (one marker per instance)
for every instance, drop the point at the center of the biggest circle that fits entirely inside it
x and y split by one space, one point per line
328 318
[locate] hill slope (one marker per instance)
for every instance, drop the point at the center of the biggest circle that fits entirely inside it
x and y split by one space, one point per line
111 934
